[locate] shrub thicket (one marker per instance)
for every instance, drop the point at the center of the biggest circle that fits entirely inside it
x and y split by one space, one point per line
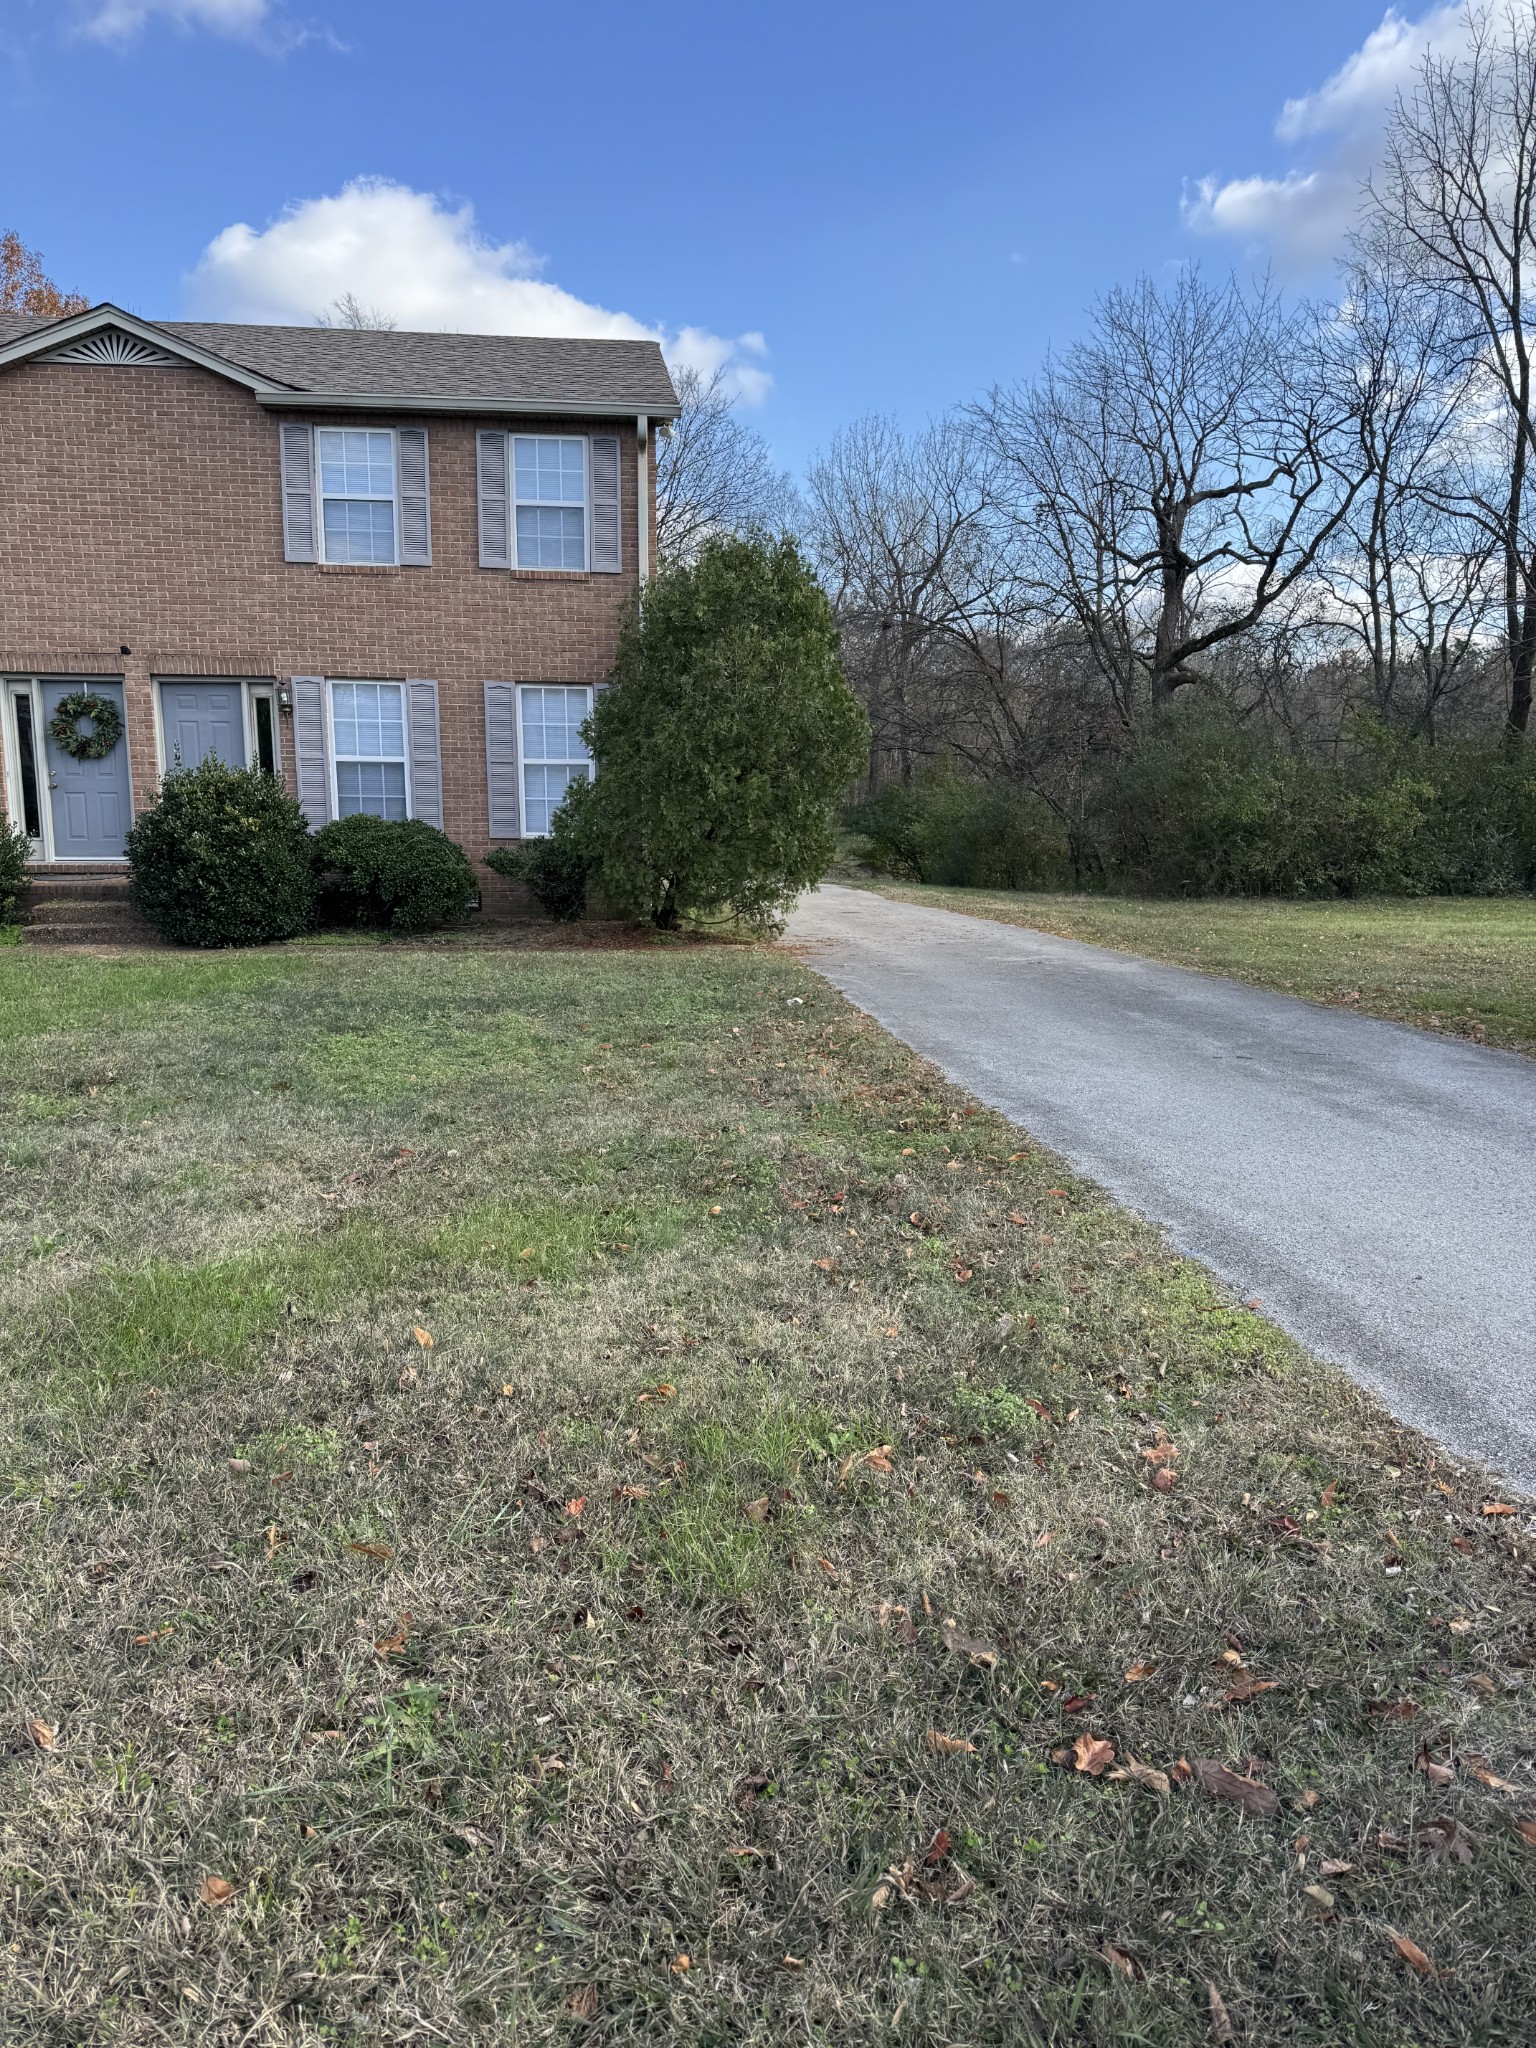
222 859
391 874
15 851
726 745
942 827
1204 805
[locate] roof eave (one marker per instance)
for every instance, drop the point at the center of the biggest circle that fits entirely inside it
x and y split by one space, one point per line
391 401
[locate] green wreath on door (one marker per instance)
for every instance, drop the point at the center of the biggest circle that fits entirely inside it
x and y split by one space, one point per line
106 727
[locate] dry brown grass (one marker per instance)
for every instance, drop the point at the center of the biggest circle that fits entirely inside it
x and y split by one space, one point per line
583 1674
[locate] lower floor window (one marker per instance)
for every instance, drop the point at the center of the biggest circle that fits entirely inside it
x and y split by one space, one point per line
368 729
554 754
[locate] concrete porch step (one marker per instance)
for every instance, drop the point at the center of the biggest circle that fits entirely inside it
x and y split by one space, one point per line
51 887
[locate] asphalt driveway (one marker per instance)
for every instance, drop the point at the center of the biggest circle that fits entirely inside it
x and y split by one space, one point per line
1375 1186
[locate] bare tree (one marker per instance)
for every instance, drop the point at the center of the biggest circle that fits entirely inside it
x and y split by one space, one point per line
1409 573
1456 196
349 311
1179 472
714 473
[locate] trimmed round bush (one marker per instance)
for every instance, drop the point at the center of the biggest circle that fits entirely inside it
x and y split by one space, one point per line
222 859
391 875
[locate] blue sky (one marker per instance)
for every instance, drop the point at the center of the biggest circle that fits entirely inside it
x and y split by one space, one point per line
853 207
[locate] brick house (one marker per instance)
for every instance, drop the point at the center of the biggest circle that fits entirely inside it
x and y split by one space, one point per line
388 567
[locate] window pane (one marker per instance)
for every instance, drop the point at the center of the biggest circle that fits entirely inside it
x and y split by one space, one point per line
368 720
356 463
543 788
549 538
552 721
376 787
550 471
359 530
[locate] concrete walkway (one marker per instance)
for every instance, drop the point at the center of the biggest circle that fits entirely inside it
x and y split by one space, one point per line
1374 1185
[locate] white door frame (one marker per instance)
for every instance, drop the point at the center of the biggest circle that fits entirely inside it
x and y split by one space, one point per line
29 687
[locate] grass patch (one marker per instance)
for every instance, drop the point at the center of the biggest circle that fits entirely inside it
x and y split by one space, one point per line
1465 965
513 1469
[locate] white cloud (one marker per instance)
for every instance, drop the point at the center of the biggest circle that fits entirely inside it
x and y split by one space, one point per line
114 21
1301 217
428 266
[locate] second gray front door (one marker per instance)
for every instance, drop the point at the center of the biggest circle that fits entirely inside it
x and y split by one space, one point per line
202 719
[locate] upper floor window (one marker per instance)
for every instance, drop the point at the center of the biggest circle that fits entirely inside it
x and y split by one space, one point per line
549 485
357 493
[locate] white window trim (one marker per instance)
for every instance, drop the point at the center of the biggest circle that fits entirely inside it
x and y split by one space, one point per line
552 505
523 762
347 498
394 683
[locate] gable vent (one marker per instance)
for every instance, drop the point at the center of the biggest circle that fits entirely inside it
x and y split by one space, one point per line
111 345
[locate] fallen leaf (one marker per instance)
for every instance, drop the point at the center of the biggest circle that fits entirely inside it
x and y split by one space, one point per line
583 2001
1092 1755
1526 1830
1319 1895
1138 1672
1332 1866
576 1508
937 1849
1164 1479
1249 1688
757 1510
829 1568
215 1891
423 1337
1446 1840
43 1735
681 1965
381 1551
1497 1507
1491 1778
239 1464
1437 1773
1328 1493
971 1647
749 1790
1135 1773
949 1745
1308 1799
391 1646
1247 1793
1117 1959
1393 1710
1221 2019
1413 1955
962 1274
787 1962
826 1265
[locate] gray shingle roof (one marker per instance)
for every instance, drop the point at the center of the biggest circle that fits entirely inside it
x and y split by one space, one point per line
531 370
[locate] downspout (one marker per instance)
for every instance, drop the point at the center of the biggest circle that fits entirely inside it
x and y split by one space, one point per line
643 492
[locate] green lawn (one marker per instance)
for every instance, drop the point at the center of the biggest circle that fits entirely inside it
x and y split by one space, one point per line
1462 964
588 1497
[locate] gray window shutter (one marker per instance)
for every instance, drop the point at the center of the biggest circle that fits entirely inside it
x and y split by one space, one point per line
298 450
606 552
495 518
311 750
415 499
426 753
501 760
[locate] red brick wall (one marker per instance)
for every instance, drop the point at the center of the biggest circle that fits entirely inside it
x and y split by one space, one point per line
142 508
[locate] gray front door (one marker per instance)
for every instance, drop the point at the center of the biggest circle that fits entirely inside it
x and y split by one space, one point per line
203 719
89 801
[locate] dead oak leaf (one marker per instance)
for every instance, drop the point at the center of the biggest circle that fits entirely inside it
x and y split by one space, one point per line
42 1735
380 1551
423 1337
1136 1773
1413 1955
1446 1840
1526 1830
1221 1783
1221 2020
582 2002
1120 1959
1139 1672
215 1891
391 1646
949 1745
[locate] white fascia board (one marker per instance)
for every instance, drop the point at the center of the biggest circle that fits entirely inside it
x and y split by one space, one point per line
76 326
392 402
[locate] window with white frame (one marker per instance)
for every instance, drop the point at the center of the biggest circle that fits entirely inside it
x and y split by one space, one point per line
549 489
357 493
553 753
368 737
